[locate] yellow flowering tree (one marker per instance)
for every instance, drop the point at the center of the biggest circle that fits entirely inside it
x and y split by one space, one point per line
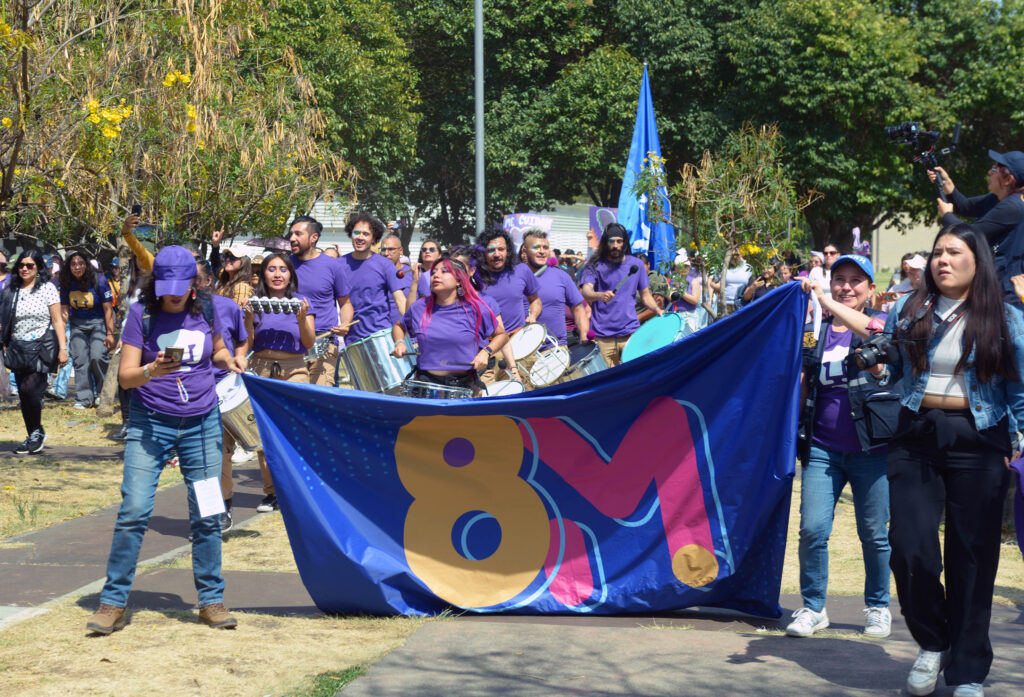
105 104
739 203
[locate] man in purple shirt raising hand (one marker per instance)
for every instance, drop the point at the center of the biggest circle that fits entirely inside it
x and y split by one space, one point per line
610 281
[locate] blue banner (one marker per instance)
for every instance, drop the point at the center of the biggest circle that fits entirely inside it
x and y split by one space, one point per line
658 243
657 485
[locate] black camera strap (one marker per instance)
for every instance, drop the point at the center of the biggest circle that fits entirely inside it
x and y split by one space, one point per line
950 320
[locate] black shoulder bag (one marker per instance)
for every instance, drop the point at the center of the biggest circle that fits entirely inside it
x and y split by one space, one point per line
37 356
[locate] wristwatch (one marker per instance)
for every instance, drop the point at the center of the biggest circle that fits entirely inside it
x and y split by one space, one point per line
145 371
488 350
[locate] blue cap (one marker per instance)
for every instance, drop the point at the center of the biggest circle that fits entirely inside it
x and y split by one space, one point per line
1013 161
173 268
863 263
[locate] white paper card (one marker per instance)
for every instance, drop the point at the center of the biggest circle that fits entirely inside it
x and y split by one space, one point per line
209 497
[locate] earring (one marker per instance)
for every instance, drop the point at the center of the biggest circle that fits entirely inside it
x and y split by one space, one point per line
193 293
458 291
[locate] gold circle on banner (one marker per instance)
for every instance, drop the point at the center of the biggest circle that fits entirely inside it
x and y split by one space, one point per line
694 565
482 474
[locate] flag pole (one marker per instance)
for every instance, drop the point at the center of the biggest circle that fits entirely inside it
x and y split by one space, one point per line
478 62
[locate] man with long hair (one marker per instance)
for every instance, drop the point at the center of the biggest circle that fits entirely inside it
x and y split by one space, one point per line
610 281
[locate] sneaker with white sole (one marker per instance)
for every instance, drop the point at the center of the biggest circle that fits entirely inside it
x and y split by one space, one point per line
925 673
877 622
36 441
806 622
241 455
268 504
971 689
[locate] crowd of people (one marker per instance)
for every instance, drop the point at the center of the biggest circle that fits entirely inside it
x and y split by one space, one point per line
912 395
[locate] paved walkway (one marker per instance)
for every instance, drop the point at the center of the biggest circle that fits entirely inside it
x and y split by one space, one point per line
680 654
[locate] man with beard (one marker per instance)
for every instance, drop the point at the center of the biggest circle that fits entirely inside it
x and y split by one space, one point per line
510 284
391 247
322 280
610 281
556 289
372 279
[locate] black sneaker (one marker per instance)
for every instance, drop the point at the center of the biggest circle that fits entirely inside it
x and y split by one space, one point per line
122 434
36 441
225 521
268 504
23 449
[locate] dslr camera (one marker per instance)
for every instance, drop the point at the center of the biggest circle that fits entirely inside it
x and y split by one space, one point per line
879 349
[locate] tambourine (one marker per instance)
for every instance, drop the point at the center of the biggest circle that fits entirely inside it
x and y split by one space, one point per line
264 305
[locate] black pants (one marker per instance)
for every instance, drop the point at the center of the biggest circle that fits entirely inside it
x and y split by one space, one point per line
31 388
940 463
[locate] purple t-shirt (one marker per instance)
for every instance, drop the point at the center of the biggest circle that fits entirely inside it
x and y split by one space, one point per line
372 281
405 285
232 323
510 288
557 291
452 336
278 331
197 393
423 287
681 305
833 424
322 280
618 316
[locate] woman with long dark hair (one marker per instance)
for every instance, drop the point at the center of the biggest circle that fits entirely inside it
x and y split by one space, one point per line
430 253
32 328
961 357
280 342
235 279
170 345
451 326
87 302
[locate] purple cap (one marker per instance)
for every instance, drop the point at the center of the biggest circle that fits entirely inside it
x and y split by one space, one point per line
173 268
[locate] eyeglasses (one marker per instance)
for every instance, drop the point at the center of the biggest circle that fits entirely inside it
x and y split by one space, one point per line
391 249
26 265
830 254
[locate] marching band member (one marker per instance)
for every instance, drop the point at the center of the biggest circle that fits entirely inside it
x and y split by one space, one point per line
373 280
509 284
322 281
556 289
610 281
280 342
391 247
449 326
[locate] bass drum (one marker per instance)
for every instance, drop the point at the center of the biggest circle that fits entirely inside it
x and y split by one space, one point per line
236 411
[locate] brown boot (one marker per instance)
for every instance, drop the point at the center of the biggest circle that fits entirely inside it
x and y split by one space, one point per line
217 616
107 619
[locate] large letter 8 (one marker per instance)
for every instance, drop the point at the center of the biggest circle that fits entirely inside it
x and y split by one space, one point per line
451 465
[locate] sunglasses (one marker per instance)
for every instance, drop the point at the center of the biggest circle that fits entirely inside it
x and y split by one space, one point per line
430 249
26 265
831 254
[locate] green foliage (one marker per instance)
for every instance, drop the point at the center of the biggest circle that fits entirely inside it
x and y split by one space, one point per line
330 683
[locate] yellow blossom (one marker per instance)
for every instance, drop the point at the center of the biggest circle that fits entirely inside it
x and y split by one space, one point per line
93 105
111 131
191 109
191 127
59 182
201 145
185 78
7 122
93 118
170 79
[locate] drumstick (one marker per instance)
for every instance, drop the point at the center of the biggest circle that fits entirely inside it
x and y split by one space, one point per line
632 270
331 331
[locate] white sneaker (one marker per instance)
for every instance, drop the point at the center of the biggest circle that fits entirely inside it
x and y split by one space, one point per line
877 622
806 622
241 455
971 689
925 673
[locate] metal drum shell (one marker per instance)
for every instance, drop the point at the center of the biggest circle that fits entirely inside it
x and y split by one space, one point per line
372 368
423 389
593 362
236 414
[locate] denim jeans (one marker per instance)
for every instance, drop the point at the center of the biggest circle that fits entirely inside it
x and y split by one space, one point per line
60 383
823 480
90 358
151 438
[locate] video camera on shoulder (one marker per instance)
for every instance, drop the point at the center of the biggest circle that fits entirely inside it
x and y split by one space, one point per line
922 143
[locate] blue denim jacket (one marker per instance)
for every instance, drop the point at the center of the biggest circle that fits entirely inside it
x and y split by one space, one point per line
989 401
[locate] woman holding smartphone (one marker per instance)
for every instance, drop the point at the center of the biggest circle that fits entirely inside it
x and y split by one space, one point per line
170 344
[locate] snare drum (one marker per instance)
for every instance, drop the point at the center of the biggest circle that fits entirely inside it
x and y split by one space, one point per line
527 340
423 389
503 387
654 334
236 411
372 368
549 366
586 361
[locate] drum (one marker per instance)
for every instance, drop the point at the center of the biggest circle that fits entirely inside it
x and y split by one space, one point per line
586 360
527 340
655 334
372 368
504 387
319 348
236 411
549 366
423 389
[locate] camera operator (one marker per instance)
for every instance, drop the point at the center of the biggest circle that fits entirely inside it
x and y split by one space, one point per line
835 449
999 215
960 359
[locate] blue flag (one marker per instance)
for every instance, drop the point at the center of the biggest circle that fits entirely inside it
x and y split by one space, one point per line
658 241
660 484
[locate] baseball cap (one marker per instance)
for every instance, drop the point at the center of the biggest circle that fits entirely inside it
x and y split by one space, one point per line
1013 160
917 262
863 263
173 268
114 262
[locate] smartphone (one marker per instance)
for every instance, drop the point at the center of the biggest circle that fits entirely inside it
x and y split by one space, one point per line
174 353
137 209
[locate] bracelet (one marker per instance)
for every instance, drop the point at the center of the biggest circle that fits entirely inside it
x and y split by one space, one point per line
488 350
145 371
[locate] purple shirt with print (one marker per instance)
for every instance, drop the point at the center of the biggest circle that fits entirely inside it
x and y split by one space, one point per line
322 280
232 324
452 336
197 392
833 425
510 289
372 280
618 316
557 291
278 331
